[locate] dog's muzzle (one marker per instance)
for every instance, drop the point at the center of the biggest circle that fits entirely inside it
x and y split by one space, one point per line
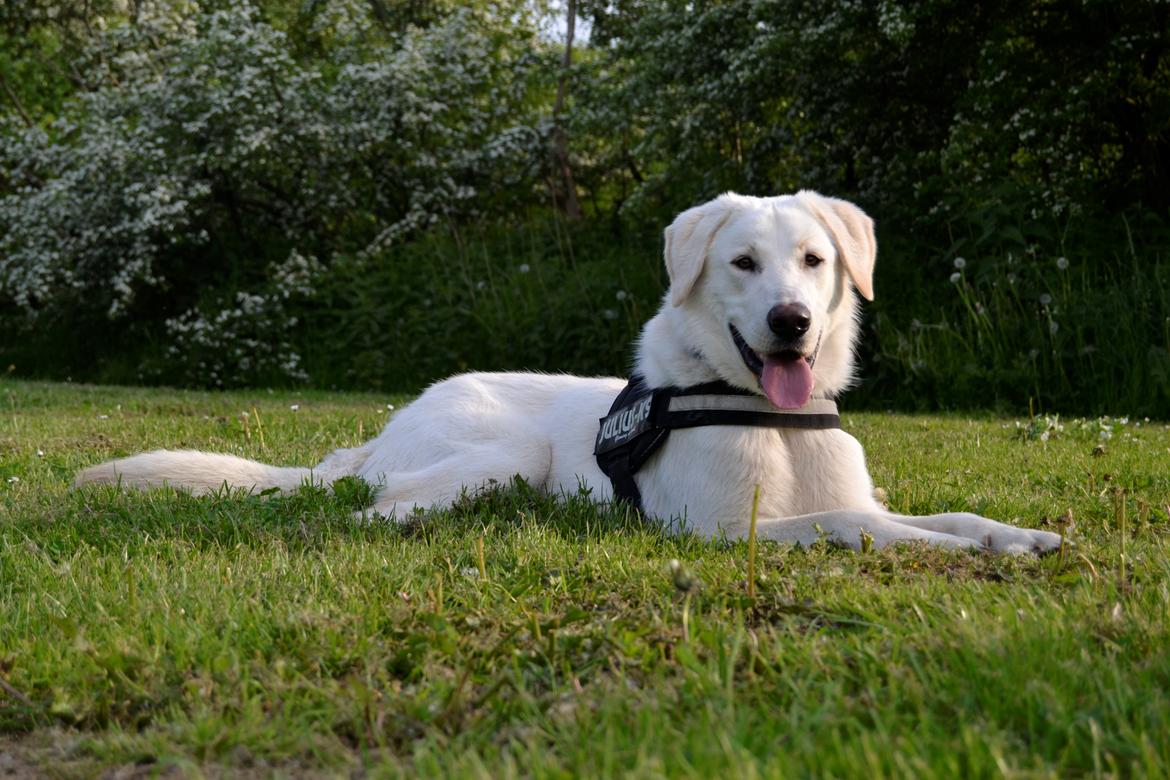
755 362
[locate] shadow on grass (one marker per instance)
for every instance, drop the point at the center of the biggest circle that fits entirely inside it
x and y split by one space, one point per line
107 517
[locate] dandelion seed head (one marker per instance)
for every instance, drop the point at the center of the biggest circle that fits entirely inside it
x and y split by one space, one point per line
1045 299
955 277
960 263
1062 263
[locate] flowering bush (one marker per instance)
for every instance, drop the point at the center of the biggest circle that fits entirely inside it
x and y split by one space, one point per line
204 151
122 188
245 338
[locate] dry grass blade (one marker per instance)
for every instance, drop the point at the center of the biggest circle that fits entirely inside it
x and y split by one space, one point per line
751 577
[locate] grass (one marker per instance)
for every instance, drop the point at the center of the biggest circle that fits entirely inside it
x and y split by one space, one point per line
1072 317
1020 325
515 635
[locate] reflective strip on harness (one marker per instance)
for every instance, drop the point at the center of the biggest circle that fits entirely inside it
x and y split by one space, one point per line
640 419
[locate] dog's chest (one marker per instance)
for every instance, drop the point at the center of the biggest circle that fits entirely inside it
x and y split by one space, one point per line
709 474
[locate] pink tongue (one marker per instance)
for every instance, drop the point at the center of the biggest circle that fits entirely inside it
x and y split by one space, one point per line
787 383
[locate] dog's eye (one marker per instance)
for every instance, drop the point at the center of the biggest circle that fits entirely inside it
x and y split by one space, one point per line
744 263
812 261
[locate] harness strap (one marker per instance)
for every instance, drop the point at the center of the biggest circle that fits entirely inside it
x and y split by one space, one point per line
641 419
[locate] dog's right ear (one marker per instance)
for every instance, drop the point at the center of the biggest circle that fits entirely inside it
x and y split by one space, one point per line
687 241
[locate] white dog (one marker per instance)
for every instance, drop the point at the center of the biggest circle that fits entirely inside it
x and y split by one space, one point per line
761 299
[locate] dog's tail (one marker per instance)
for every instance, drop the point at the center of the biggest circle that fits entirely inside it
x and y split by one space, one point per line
199 472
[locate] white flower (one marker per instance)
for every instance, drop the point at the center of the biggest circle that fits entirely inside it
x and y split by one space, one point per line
960 263
40 453
524 268
13 480
1062 263
1045 299
955 277
295 407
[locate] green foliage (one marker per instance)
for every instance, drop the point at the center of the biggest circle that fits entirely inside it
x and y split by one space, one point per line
235 634
534 296
909 107
150 197
207 152
1032 318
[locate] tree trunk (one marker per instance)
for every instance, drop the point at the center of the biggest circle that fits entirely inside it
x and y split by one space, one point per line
571 204
12 97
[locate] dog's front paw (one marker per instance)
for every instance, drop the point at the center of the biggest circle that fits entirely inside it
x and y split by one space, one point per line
1021 541
989 534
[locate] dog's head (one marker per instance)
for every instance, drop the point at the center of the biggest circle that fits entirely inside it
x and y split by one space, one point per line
765 287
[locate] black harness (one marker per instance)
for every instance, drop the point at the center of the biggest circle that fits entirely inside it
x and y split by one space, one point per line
642 417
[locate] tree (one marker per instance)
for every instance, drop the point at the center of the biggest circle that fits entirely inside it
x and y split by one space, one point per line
572 206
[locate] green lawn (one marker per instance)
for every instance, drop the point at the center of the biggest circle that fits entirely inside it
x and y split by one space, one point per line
252 635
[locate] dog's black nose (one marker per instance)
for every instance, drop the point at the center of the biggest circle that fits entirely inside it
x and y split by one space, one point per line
789 321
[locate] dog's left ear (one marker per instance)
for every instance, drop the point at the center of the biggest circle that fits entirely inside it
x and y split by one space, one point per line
687 240
852 231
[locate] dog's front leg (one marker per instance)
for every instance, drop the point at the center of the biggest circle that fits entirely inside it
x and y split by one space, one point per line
851 526
992 534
